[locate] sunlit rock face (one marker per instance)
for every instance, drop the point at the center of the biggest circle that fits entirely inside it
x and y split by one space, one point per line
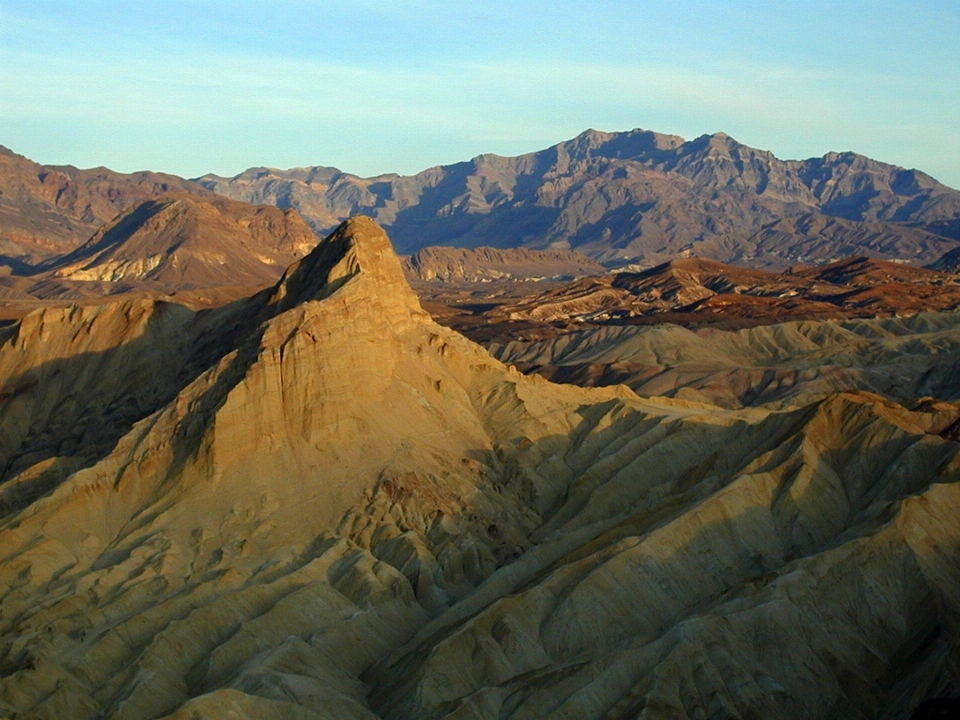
317 503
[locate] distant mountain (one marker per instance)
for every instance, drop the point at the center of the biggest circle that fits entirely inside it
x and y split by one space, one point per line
188 242
632 197
447 264
48 210
638 196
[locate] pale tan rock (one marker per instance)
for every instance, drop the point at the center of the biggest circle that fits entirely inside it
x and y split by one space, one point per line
338 508
784 365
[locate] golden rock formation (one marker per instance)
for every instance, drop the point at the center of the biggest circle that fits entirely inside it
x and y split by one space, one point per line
317 503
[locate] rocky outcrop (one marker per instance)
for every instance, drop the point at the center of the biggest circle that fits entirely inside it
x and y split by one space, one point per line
339 509
447 264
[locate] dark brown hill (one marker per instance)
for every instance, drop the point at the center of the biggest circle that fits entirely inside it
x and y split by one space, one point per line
206 251
639 196
179 242
49 210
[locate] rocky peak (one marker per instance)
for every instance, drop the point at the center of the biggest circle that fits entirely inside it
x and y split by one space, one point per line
637 144
357 252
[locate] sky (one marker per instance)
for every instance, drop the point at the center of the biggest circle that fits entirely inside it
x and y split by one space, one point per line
400 86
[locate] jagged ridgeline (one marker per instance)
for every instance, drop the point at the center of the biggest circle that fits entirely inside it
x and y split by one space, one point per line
627 197
637 195
318 503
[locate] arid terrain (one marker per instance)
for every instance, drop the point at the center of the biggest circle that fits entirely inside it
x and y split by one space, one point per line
334 507
249 473
690 292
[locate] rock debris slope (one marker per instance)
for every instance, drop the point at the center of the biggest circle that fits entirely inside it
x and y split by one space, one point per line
336 508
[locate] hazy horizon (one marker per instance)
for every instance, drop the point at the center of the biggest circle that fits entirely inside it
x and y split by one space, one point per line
373 88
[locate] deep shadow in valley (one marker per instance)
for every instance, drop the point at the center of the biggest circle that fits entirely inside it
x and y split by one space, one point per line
68 413
716 580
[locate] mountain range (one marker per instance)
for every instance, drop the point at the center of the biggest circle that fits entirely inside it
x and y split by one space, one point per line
637 196
631 197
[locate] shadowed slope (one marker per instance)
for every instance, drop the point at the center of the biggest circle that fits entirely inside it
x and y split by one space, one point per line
48 210
448 264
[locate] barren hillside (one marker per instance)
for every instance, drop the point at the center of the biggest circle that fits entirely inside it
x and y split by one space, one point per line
335 508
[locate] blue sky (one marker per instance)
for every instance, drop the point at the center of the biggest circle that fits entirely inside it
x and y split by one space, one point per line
371 87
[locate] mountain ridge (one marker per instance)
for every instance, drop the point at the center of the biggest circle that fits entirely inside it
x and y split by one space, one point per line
49 210
641 195
182 241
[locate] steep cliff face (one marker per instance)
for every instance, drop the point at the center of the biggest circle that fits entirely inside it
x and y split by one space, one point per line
336 508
